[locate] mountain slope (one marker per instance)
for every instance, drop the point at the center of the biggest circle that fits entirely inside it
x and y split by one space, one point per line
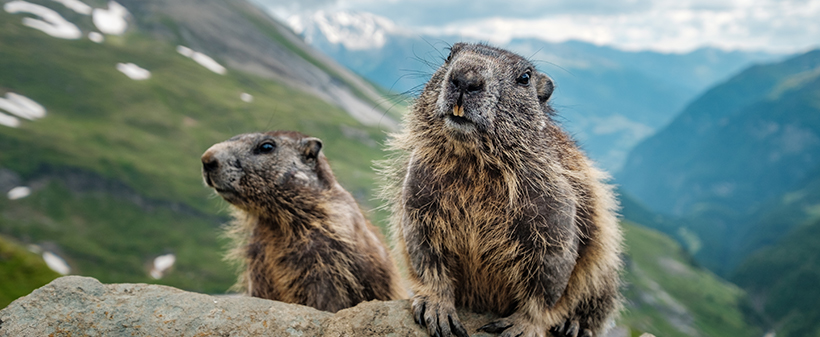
782 280
21 272
763 105
738 147
782 276
670 297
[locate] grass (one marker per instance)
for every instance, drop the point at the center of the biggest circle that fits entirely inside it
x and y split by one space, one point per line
20 271
668 295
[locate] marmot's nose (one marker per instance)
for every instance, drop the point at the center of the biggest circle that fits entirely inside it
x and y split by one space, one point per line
209 162
467 81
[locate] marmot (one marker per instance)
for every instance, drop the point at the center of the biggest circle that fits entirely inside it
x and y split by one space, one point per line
300 237
495 208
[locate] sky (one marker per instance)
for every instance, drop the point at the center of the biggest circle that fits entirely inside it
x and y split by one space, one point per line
785 26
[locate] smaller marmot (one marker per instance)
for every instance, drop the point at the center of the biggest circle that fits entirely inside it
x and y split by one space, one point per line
495 208
299 236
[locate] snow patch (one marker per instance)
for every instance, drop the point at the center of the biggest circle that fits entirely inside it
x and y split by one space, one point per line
96 37
161 264
56 263
9 121
203 60
18 192
22 106
52 23
111 21
246 97
356 31
133 71
77 6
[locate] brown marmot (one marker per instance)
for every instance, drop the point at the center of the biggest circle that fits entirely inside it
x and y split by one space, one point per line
299 236
496 209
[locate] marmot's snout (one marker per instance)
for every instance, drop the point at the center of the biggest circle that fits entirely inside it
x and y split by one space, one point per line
220 170
465 95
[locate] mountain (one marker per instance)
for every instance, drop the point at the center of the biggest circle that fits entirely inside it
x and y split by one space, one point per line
782 281
609 99
105 138
739 172
668 296
782 276
736 149
758 121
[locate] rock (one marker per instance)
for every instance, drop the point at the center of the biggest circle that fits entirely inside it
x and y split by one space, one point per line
82 306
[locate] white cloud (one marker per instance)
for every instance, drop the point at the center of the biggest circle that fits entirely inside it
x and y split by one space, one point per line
779 27
671 26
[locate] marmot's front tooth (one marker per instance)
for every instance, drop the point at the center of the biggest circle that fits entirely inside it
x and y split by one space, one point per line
455 110
461 111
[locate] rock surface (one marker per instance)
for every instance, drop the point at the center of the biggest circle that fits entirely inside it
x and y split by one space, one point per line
82 306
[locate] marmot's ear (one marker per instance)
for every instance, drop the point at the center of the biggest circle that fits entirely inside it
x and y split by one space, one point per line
544 87
454 49
311 147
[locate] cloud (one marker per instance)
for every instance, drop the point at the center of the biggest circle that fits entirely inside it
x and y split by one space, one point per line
772 26
671 26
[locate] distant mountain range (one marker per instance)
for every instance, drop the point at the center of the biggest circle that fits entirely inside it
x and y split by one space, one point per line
740 170
608 98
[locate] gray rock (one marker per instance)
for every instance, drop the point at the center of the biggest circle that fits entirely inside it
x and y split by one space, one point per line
82 306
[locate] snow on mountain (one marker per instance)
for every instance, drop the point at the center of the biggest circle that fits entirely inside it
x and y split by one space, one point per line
111 21
134 71
52 23
203 60
77 6
356 31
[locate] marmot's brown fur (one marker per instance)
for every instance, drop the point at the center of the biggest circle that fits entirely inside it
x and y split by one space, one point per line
495 207
299 236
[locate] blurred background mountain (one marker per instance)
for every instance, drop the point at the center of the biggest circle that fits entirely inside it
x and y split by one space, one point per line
105 108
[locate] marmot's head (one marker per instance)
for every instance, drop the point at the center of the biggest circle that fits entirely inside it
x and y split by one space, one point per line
260 171
482 92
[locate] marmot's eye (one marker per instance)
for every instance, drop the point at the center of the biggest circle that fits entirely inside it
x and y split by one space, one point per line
524 79
266 147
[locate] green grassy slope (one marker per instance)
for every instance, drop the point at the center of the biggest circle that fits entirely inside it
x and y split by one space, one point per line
783 280
668 296
144 138
783 277
20 271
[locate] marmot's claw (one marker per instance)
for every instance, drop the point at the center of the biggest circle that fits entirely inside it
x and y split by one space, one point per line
570 328
514 325
440 319
495 327
458 329
419 313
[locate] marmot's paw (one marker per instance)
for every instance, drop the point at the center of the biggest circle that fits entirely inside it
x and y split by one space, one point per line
570 328
514 325
439 318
